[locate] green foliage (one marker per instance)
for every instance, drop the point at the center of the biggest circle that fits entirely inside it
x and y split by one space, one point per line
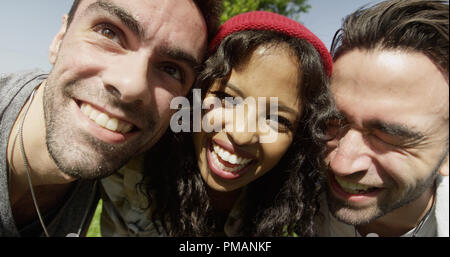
94 228
284 7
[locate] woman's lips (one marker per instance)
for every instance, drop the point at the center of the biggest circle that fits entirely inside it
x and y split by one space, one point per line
225 164
233 149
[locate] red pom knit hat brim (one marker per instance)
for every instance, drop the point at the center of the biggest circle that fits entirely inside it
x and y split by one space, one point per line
268 21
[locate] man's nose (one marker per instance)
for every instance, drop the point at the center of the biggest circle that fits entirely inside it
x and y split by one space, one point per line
128 79
351 155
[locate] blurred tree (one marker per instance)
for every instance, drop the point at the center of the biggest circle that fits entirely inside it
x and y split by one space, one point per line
288 8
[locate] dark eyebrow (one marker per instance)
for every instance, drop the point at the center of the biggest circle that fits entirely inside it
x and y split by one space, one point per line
180 55
281 107
284 108
395 129
235 89
125 17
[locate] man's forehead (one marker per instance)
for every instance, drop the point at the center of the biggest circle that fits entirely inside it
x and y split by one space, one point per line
184 31
392 109
121 12
142 10
145 10
389 76
391 90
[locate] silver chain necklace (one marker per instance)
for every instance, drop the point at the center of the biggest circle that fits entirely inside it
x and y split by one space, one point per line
422 221
27 165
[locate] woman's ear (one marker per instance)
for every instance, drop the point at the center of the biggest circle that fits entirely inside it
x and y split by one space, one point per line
56 43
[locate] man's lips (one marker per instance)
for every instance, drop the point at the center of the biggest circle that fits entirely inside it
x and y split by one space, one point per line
105 119
102 126
351 191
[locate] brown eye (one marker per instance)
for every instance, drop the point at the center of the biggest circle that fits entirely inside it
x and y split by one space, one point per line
279 123
108 33
174 72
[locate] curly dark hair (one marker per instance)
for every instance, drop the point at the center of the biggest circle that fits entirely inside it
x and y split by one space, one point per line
282 202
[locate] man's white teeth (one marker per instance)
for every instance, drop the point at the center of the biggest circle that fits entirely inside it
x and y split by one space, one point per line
229 157
352 188
112 124
103 120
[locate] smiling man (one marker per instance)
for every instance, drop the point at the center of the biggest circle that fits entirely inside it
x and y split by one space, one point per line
116 67
388 159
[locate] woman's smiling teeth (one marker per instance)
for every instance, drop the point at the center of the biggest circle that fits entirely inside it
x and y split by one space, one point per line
353 188
223 159
103 120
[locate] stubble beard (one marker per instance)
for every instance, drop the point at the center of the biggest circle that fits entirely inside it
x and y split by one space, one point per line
348 214
77 154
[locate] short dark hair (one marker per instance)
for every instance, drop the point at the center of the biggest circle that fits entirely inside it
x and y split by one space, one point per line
417 25
72 11
210 9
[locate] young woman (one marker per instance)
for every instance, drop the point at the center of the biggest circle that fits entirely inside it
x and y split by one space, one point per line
234 181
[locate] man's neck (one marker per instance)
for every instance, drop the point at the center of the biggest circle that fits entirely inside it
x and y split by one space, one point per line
402 220
43 170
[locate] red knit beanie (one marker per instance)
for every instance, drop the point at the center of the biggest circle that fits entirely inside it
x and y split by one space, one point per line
262 20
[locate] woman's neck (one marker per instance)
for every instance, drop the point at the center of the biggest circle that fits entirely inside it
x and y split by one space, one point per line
222 201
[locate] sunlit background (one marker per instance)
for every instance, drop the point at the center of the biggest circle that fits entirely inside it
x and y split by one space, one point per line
27 27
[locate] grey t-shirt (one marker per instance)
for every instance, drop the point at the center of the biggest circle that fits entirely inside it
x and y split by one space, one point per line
70 219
